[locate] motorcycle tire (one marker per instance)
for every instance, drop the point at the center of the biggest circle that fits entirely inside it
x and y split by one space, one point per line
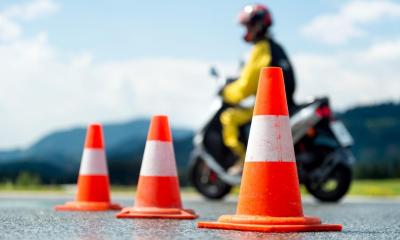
207 182
324 193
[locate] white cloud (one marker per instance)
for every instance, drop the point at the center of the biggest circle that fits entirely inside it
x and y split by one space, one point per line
349 22
8 29
384 51
32 10
40 91
370 10
351 78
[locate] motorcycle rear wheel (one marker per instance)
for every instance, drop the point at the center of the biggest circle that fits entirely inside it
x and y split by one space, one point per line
335 186
207 182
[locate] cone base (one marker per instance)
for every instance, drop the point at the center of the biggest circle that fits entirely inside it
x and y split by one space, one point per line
154 212
270 224
88 206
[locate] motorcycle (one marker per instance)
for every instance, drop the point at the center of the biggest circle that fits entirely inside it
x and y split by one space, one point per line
321 142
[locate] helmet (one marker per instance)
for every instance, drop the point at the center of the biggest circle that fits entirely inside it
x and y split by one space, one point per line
257 19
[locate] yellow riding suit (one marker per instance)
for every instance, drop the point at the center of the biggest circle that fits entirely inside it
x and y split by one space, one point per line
234 117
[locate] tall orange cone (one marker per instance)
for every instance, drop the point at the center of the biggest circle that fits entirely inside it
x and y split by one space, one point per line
158 188
269 198
93 184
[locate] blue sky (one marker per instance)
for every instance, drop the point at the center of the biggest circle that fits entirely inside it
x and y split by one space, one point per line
69 63
185 29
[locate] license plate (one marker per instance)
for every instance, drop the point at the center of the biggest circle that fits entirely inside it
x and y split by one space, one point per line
341 133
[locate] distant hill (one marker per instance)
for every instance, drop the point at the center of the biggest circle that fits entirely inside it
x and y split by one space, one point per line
56 157
376 130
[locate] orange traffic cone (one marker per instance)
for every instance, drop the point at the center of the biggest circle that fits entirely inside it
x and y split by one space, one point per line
93 184
158 188
269 198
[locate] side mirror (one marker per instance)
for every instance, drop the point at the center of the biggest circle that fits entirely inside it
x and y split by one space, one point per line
214 72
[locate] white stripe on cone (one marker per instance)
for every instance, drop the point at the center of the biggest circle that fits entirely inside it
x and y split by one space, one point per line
93 162
270 139
158 159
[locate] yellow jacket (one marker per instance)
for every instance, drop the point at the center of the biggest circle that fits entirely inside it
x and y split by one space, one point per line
247 84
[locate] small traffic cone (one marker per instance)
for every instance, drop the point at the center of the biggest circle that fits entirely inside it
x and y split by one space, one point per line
158 188
269 198
93 184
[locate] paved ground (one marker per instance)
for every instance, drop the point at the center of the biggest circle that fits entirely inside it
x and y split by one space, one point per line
32 217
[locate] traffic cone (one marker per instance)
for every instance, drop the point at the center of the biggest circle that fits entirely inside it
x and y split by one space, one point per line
158 188
93 184
269 198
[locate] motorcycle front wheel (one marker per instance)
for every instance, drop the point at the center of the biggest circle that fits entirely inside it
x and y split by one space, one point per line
207 182
334 187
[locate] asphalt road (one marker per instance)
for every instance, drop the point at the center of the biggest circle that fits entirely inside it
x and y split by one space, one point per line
33 217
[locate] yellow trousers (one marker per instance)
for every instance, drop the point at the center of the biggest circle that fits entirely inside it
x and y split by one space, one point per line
232 119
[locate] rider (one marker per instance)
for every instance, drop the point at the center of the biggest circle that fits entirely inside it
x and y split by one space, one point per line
266 52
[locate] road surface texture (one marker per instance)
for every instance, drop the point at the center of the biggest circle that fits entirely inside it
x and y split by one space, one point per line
33 217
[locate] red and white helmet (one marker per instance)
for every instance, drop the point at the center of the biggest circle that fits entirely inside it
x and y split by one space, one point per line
257 19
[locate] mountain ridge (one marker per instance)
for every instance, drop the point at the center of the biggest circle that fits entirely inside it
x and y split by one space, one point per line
61 151
56 156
